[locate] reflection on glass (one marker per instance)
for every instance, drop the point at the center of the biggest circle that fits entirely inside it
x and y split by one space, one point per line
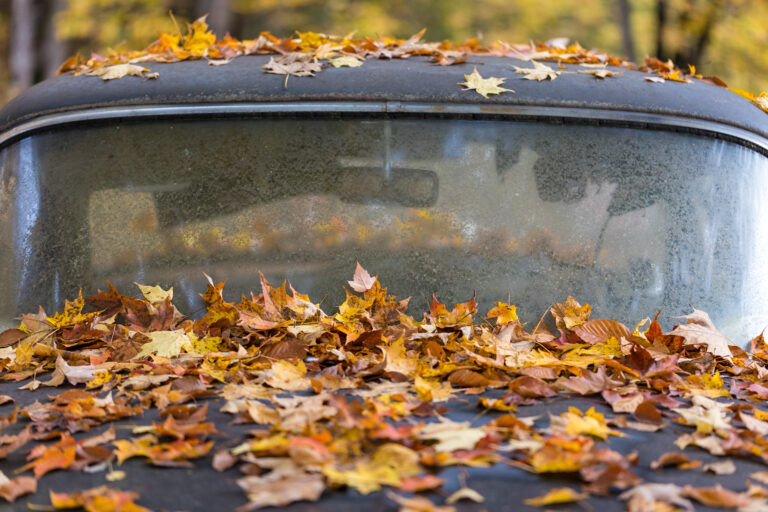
628 220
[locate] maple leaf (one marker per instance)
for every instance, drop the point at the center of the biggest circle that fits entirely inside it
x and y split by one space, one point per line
47 458
570 313
396 359
165 344
699 330
120 70
705 414
390 463
503 313
574 422
294 64
538 72
288 376
483 86
675 76
155 294
598 71
451 435
362 281
73 374
198 39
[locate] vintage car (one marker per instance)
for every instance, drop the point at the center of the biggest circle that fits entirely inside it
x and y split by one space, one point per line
628 194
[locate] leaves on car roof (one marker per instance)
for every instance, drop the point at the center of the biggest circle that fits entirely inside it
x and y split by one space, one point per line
305 54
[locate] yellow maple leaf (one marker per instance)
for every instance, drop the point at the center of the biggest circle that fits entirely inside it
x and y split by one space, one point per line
165 344
388 466
155 294
483 86
433 390
397 361
503 313
198 40
591 423
570 313
288 376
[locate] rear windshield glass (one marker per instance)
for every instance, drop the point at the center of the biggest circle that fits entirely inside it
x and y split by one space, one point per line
628 220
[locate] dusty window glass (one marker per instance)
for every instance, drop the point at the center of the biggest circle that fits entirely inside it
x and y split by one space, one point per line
628 220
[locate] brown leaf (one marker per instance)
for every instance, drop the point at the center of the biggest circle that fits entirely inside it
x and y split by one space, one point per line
599 331
678 459
701 331
10 489
716 496
11 336
726 467
266 492
468 379
648 413
531 387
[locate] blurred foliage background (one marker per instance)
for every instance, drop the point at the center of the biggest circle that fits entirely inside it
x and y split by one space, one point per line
726 38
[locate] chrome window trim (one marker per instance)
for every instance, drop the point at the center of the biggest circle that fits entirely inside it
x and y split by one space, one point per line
519 112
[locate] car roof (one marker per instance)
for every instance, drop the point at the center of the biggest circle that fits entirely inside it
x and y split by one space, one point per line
406 80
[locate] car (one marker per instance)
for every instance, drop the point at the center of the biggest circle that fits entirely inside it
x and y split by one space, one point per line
626 193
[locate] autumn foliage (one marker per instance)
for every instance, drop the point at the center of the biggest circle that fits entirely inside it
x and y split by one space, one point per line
360 397
306 53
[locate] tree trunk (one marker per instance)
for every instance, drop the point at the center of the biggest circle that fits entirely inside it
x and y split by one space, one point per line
661 22
54 49
22 43
219 15
627 38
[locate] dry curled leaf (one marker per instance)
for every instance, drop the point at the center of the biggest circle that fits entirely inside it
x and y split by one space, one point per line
120 70
538 72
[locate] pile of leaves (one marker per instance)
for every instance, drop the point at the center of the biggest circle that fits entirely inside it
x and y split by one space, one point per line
306 53
356 398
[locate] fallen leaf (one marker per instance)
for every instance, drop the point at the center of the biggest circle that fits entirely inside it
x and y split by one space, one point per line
557 495
645 497
699 329
119 71
266 492
538 72
417 504
362 280
465 493
483 86
346 61
10 489
165 344
726 467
